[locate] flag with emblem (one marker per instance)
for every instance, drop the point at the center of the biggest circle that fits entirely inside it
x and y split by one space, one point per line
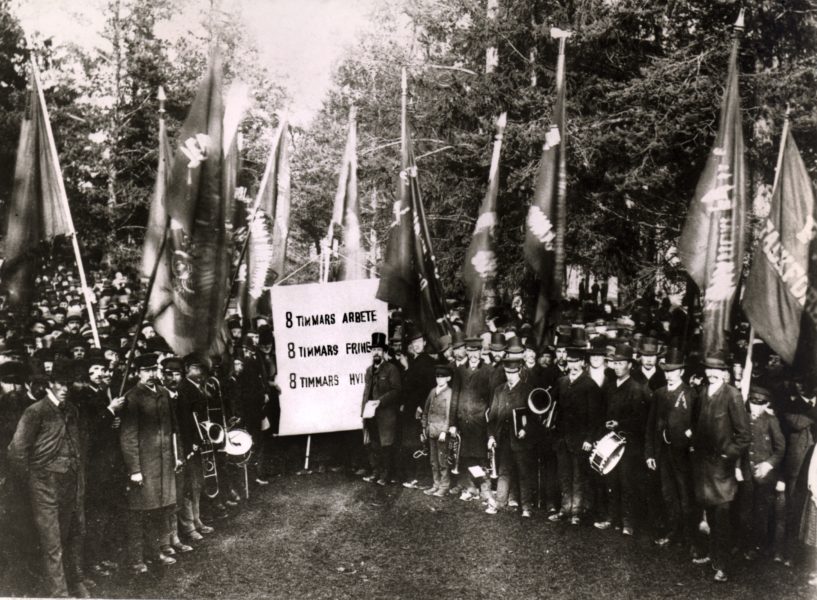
480 266
345 224
711 244
545 223
408 274
263 260
38 207
199 207
780 294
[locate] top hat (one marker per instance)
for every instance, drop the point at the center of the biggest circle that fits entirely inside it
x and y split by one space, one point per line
598 347
673 361
498 343
458 339
512 363
578 338
574 354
514 347
379 340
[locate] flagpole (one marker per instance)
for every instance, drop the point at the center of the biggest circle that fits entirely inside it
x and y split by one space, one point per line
279 138
52 148
155 270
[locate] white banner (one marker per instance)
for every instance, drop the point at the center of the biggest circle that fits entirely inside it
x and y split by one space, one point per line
323 333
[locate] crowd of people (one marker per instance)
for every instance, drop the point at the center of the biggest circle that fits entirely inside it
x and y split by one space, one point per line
701 466
90 443
85 456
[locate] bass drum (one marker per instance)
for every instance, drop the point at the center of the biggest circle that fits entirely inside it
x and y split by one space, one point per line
607 452
238 446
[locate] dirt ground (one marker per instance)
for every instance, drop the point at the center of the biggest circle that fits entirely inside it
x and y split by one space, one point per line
330 535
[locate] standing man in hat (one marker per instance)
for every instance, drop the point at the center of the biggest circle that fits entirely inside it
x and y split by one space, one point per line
474 399
579 417
722 434
418 381
105 485
627 402
172 374
382 387
45 450
647 372
513 448
438 421
192 407
667 450
759 470
151 459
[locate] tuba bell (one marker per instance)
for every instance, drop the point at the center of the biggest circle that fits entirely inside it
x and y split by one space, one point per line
541 403
214 432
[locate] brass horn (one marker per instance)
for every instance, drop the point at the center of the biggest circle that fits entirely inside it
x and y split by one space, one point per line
540 403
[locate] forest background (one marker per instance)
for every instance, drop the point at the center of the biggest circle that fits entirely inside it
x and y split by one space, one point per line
644 86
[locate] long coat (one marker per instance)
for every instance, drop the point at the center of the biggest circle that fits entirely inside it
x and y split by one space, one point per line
146 438
720 437
383 384
474 401
579 413
500 415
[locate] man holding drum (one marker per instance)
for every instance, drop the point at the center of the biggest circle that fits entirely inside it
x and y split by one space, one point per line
627 402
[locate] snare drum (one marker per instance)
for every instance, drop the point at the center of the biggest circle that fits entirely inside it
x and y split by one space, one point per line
607 453
238 446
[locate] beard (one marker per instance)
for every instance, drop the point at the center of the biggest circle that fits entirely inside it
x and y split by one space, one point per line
377 359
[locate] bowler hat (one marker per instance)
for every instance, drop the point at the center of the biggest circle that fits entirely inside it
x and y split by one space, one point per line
512 363
649 347
13 371
194 359
716 360
473 343
759 395
622 351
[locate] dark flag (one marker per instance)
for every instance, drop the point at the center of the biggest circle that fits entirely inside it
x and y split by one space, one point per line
480 266
200 213
263 261
346 212
546 221
780 290
157 218
408 274
711 244
38 208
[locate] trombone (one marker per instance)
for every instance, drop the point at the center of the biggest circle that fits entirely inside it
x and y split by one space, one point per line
210 433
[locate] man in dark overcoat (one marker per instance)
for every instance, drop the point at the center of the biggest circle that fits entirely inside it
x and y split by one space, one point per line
512 444
580 413
146 439
382 386
721 435
473 381
666 449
